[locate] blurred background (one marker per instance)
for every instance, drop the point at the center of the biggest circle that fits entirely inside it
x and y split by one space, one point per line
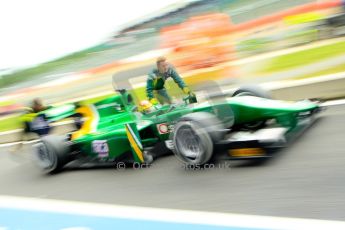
278 43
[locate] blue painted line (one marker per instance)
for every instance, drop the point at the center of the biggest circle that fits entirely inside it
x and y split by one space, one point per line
13 219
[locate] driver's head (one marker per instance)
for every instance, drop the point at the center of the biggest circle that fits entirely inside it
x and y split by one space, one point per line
162 64
146 107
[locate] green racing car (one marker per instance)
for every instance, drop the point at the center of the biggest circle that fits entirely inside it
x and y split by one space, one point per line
247 125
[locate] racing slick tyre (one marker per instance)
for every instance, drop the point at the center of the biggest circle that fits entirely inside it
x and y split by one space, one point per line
256 92
52 153
194 136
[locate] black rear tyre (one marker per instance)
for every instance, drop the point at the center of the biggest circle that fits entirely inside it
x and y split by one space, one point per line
52 153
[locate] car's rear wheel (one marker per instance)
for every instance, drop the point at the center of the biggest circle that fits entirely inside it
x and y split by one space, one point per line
194 137
52 153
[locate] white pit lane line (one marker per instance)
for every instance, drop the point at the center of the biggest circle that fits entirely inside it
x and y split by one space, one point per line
333 103
162 216
17 143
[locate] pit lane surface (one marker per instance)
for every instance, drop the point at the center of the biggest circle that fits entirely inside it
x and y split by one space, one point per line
305 180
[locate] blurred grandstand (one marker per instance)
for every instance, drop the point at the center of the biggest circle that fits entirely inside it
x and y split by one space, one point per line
142 35
208 33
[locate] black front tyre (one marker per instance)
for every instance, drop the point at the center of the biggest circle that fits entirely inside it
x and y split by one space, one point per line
52 153
194 137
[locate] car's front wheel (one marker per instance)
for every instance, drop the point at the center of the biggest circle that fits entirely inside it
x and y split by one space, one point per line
194 137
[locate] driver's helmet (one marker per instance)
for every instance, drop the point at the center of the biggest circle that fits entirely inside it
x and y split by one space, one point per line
146 107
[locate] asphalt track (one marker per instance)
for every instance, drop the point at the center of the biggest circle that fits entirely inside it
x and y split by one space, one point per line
305 180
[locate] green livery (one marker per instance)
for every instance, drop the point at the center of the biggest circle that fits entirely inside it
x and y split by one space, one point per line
114 131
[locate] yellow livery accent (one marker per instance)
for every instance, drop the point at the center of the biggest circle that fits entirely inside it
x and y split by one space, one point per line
134 145
89 123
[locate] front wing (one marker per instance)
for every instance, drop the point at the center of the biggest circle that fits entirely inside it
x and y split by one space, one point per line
262 143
